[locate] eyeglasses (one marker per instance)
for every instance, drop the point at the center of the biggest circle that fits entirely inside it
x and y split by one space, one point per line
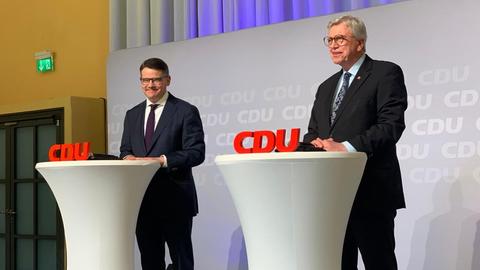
156 80
339 40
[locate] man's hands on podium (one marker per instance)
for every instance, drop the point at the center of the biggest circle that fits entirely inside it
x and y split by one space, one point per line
329 145
161 159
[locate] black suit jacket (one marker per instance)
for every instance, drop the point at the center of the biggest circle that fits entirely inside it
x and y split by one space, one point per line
179 136
371 118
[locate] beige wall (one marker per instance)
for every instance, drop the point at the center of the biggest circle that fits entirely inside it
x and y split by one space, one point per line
75 30
84 118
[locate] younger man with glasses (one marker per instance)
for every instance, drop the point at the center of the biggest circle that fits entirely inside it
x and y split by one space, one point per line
169 130
361 108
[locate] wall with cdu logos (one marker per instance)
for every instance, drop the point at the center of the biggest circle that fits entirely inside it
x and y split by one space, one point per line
266 78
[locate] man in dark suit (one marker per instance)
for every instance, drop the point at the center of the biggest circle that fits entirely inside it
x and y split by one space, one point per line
361 108
169 130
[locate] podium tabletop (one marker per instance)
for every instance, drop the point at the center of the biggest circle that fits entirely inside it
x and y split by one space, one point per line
86 163
220 159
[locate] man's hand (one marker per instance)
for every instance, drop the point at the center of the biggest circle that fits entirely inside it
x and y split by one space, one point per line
329 145
332 146
318 143
160 159
129 157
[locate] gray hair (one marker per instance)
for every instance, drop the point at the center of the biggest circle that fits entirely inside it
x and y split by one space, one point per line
359 30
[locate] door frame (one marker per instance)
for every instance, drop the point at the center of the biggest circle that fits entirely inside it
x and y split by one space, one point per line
9 122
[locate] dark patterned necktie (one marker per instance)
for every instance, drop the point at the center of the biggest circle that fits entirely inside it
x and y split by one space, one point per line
341 94
150 126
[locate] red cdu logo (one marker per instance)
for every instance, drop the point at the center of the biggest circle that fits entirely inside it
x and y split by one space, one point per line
68 151
272 140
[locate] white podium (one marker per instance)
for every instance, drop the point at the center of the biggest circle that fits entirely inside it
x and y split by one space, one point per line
293 207
99 203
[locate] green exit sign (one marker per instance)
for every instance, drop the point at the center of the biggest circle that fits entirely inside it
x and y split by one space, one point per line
45 64
44 61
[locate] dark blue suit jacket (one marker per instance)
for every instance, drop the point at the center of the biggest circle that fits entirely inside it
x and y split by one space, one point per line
179 136
371 118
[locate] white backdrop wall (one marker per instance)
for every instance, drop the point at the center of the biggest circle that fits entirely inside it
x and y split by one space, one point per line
266 78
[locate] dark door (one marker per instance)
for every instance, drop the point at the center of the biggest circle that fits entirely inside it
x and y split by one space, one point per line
31 230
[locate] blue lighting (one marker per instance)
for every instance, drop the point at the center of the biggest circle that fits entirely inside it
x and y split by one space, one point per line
209 17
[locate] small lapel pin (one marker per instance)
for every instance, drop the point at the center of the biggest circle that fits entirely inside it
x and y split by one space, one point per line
358 78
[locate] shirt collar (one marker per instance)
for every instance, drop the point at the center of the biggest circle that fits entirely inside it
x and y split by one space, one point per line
354 69
161 102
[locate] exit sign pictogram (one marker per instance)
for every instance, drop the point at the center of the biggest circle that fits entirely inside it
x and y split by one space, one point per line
44 61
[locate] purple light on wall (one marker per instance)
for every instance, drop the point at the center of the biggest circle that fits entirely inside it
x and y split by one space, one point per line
332 6
357 4
261 12
191 20
245 15
299 9
279 10
210 17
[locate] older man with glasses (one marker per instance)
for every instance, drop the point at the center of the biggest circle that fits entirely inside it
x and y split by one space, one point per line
361 108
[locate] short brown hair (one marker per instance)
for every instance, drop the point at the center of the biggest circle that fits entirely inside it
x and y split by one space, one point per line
155 63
